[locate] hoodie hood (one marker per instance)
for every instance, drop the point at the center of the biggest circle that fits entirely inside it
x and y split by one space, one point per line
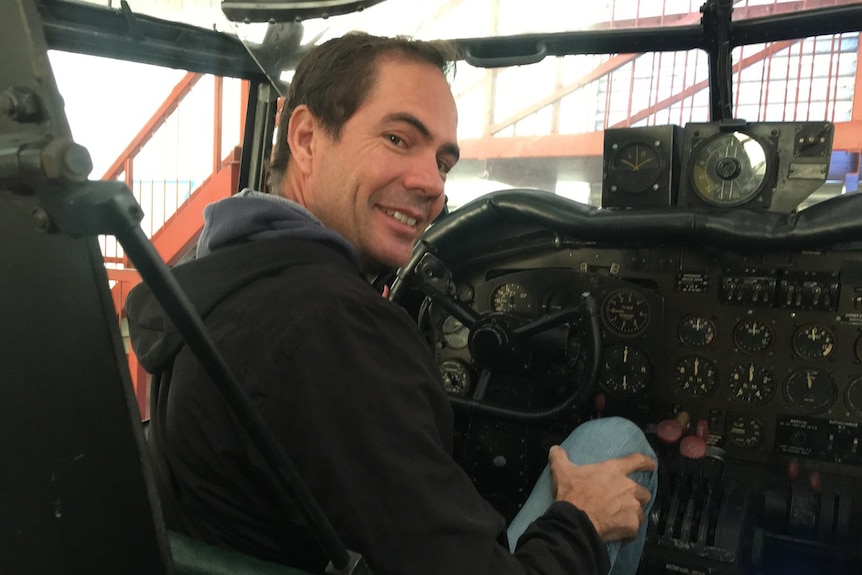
245 237
252 216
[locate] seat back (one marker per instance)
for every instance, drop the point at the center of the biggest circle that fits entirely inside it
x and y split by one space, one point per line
76 493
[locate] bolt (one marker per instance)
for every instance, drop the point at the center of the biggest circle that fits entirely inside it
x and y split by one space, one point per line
63 159
42 219
20 104
77 163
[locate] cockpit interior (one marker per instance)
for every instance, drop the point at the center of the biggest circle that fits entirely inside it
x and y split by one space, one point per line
706 282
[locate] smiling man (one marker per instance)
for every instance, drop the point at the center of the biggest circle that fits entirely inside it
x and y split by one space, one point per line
343 376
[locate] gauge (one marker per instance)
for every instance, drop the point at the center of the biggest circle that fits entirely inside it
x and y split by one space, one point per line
813 342
456 376
625 369
729 169
511 297
810 390
635 167
853 397
745 431
751 383
696 331
752 336
626 312
455 334
696 375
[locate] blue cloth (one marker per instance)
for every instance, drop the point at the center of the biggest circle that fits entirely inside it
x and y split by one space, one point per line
592 442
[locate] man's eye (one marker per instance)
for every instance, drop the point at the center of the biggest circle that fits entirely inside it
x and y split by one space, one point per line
395 139
443 167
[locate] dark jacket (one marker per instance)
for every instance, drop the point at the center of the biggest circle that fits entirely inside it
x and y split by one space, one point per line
347 383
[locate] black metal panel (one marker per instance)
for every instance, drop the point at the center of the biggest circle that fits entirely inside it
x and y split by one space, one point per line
99 31
74 490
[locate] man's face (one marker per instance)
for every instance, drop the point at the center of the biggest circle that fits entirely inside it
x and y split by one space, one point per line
380 184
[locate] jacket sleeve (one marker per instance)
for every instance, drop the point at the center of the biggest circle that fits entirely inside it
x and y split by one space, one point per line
370 428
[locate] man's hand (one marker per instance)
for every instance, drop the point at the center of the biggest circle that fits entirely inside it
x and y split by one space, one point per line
613 501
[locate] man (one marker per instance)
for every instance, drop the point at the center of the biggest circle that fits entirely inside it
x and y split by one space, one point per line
343 376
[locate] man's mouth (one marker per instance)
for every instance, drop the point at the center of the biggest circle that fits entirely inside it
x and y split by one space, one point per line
404 219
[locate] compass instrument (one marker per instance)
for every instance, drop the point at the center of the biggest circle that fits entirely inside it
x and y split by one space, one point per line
729 169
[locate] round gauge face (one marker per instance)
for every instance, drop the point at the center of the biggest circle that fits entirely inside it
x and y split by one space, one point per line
455 334
511 298
751 383
696 331
853 397
752 336
635 167
813 342
729 169
456 377
695 375
626 312
625 369
745 431
810 390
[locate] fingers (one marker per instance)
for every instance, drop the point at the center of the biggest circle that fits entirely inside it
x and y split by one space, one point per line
643 495
557 455
637 462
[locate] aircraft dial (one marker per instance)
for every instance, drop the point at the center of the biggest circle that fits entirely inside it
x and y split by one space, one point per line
751 383
636 166
511 298
456 377
813 342
745 431
696 375
626 312
811 390
696 331
625 369
853 397
729 169
752 336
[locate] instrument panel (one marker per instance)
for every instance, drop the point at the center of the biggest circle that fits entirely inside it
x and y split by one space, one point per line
765 348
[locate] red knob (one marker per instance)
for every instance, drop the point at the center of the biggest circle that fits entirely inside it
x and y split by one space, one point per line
692 447
669 431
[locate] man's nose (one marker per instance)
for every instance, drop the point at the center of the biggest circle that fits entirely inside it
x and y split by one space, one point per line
424 175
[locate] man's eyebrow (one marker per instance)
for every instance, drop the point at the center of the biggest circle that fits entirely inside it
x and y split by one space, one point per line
450 148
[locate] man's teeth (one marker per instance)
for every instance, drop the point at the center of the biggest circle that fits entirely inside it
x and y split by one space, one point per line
401 217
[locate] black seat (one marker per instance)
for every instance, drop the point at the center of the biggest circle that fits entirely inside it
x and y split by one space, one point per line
76 493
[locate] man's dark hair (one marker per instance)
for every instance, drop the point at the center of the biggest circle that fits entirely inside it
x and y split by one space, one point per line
334 79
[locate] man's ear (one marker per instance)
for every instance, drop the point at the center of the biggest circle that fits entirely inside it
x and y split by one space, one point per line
300 137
